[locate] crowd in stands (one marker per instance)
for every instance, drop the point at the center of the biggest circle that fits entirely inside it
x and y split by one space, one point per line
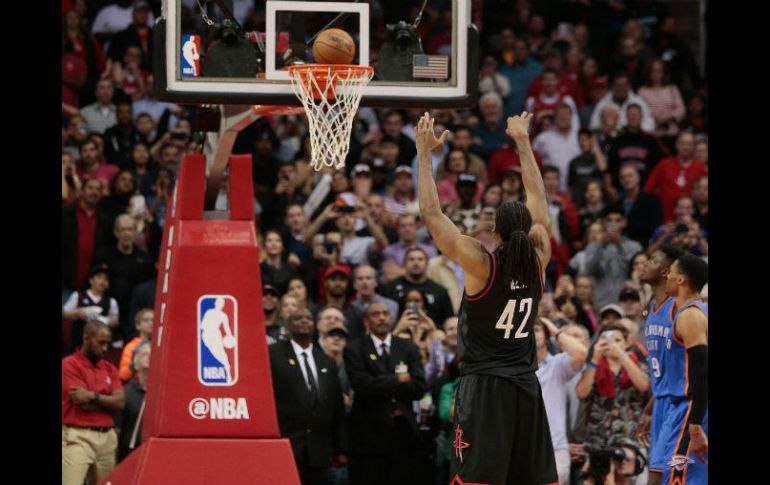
620 131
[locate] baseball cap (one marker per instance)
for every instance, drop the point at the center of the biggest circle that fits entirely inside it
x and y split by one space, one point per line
101 268
360 168
337 268
403 169
268 288
612 308
629 294
141 4
466 178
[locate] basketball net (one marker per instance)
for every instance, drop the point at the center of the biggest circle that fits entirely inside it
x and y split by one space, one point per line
330 94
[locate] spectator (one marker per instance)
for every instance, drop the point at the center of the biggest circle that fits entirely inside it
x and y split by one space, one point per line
403 194
127 74
545 100
393 254
276 270
457 164
684 226
631 58
141 167
449 275
615 383
677 55
274 328
295 223
505 159
156 109
416 325
91 304
297 289
311 412
702 150
592 209
93 165
634 281
438 305
462 138
520 73
610 126
160 196
128 265
120 138
564 217
559 145
700 196
385 439
489 132
610 313
76 135
83 50
393 126
584 293
622 96
578 264
122 189
115 18
588 165
380 215
101 114
85 227
333 341
336 279
567 80
490 80
70 182
536 34
286 192
696 120
131 419
674 176
630 300
664 100
643 210
607 260
365 284
633 147
137 34
554 372
143 323
91 395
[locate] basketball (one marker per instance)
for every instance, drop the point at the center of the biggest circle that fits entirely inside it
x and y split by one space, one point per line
334 46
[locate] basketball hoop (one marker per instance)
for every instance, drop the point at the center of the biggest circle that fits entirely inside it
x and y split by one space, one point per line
330 94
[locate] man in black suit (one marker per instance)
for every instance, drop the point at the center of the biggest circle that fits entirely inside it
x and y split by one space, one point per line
308 399
386 375
643 210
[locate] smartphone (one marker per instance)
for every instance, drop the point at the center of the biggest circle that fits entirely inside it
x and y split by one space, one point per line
414 308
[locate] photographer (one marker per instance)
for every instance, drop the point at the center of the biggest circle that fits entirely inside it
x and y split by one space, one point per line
615 385
621 463
684 231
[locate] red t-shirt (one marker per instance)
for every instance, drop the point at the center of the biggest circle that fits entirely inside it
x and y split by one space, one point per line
102 377
86 244
104 172
504 158
670 180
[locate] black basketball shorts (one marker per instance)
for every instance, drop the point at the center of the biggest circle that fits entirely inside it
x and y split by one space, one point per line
500 434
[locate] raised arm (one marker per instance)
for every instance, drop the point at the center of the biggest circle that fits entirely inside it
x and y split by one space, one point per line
518 130
466 251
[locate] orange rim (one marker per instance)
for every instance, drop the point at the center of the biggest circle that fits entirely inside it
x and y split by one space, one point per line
322 73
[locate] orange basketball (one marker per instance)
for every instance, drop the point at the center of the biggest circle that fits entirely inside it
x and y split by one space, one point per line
334 46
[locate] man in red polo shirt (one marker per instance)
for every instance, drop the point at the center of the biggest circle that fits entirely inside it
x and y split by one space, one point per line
673 177
91 394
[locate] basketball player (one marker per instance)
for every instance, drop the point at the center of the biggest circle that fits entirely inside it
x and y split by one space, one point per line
500 429
677 340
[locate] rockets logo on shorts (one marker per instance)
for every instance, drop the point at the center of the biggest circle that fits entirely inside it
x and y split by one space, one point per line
190 59
217 340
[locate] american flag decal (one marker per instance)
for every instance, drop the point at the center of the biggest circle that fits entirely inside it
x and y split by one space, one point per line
431 67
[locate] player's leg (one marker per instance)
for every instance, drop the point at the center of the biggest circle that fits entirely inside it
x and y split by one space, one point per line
657 451
482 430
682 466
76 456
532 460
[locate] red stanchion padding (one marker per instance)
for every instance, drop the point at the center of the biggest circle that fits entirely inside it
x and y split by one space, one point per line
241 189
167 461
210 415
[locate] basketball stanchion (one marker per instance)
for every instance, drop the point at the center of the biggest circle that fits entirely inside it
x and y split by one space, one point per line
210 415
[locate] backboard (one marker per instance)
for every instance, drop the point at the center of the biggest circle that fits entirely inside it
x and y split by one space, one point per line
226 54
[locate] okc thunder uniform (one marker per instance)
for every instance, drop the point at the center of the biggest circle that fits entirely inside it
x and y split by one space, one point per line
500 431
669 435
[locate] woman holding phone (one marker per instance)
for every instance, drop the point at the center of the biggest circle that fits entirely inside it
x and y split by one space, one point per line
615 384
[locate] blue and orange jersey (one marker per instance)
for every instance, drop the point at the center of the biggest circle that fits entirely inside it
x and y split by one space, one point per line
668 355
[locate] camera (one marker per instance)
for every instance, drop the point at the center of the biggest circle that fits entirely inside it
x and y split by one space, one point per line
599 459
681 228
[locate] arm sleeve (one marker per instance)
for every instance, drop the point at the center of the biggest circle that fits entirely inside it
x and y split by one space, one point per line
697 371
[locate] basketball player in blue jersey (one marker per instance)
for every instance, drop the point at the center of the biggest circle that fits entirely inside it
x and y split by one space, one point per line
679 346
500 429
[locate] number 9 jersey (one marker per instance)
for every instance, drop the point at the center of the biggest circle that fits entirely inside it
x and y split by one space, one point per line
495 326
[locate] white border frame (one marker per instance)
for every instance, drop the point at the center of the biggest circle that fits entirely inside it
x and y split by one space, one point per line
280 87
362 9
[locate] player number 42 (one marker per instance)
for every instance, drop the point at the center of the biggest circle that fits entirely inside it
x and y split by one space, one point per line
506 319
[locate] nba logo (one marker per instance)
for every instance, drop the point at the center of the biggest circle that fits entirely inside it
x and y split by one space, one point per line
191 55
217 340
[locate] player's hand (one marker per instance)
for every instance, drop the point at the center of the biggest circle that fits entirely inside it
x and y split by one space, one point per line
643 430
519 125
426 137
699 442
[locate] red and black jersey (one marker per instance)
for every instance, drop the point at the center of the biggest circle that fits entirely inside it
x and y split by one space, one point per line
495 326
